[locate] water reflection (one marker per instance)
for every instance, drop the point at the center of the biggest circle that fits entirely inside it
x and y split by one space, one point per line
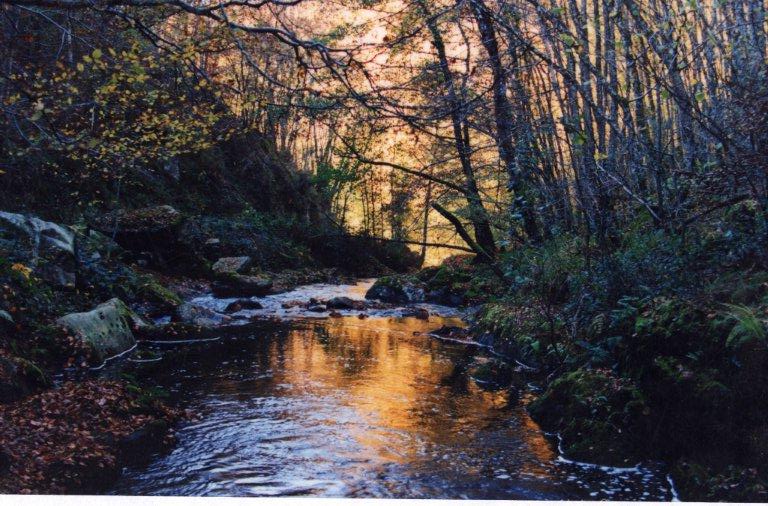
350 407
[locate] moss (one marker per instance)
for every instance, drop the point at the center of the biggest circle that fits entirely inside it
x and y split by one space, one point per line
599 416
699 482
34 372
150 290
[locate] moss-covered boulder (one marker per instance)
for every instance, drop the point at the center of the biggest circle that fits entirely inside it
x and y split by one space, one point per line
397 290
107 329
599 416
150 290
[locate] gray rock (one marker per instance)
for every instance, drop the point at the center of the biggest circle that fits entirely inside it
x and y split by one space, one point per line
232 265
107 328
47 248
242 286
197 315
6 320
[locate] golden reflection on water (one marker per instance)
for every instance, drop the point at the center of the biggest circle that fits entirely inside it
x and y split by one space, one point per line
407 393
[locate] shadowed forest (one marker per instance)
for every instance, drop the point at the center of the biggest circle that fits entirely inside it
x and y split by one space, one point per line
573 192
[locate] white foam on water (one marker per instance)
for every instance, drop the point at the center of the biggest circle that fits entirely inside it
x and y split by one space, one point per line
272 305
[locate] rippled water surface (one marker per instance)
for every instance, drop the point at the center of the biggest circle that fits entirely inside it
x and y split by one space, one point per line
357 407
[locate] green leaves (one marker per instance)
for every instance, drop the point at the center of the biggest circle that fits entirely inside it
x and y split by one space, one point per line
747 326
568 40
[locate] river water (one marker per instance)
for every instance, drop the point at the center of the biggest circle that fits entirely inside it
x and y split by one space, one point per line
351 407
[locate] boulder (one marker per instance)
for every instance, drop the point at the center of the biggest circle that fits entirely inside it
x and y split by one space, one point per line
93 245
345 303
419 313
47 248
197 315
153 231
397 290
231 265
238 285
106 328
150 290
243 305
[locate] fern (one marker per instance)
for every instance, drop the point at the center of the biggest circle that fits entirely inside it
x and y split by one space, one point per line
747 326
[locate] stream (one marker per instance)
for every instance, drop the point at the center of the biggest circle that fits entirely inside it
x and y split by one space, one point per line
300 404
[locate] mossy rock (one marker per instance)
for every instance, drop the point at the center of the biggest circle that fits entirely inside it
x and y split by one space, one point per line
397 289
107 329
150 290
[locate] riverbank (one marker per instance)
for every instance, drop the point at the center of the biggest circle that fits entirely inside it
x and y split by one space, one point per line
657 352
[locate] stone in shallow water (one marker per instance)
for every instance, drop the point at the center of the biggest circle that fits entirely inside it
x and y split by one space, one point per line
242 286
396 290
345 303
197 315
420 313
243 305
